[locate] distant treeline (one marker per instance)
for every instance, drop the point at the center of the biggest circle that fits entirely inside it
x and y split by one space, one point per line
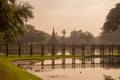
34 36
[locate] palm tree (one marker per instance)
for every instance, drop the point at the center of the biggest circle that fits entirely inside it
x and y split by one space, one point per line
13 16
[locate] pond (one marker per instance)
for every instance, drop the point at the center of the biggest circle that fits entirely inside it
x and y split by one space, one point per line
70 69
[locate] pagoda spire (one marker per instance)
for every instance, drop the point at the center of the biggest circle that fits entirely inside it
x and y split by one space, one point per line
54 39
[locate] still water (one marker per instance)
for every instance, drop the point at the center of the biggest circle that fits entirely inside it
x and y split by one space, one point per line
70 69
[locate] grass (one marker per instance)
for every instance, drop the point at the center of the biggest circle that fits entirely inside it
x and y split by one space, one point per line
10 72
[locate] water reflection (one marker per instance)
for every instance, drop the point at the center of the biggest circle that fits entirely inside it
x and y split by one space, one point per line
67 63
71 69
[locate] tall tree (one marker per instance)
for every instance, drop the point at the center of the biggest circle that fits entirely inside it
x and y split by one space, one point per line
63 38
13 15
64 32
112 22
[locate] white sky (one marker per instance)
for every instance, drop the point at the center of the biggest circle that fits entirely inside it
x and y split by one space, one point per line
87 15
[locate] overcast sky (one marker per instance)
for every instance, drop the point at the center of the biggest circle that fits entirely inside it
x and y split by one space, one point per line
87 15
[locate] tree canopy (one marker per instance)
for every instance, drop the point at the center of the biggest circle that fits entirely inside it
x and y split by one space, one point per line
79 37
112 22
31 35
13 15
110 38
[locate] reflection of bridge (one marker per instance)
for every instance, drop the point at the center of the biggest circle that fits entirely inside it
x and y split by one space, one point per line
75 63
78 65
84 63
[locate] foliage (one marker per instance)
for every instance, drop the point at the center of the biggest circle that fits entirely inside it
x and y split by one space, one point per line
13 16
64 32
108 77
109 38
31 35
111 27
79 37
112 22
10 72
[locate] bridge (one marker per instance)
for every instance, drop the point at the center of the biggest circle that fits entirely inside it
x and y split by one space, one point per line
43 49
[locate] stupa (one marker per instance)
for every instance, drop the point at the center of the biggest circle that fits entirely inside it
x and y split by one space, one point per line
54 39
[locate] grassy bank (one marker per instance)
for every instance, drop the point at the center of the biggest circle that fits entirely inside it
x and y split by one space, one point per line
11 72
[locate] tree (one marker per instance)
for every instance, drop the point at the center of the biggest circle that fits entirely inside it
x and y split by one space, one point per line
31 35
64 32
112 22
79 37
88 37
110 38
63 38
13 15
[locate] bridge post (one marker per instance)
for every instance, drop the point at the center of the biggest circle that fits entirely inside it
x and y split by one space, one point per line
83 54
83 63
53 50
73 62
42 64
112 49
53 64
109 50
83 50
73 50
63 49
31 50
63 63
42 50
118 53
19 50
92 52
102 52
112 52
